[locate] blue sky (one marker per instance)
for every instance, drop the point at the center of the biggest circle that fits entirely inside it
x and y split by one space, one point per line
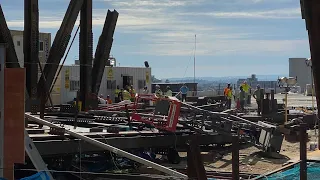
234 37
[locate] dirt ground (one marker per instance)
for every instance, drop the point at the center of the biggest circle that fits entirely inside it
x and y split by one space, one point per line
251 158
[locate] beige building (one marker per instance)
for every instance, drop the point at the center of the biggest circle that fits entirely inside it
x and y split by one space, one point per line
44 46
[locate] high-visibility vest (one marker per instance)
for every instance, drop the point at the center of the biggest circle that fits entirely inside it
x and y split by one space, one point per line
229 94
116 92
158 92
168 93
245 87
126 95
109 101
225 92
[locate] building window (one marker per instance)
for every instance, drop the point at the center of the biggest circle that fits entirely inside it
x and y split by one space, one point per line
74 85
141 84
41 46
18 43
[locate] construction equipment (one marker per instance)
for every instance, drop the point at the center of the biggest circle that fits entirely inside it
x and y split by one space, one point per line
165 115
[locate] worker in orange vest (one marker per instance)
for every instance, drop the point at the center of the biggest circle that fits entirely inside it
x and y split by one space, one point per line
108 100
225 93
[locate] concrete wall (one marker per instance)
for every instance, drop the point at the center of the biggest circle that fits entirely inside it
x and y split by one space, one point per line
298 67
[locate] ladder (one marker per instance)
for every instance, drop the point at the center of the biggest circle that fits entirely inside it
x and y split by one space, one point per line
35 156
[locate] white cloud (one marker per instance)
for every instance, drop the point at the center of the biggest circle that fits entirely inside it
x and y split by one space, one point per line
164 31
271 14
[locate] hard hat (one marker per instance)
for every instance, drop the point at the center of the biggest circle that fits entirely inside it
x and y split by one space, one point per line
168 87
108 95
157 86
146 87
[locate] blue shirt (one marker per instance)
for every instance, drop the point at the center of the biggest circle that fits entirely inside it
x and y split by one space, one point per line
184 90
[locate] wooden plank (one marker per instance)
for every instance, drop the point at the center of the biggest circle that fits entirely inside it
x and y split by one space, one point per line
14 98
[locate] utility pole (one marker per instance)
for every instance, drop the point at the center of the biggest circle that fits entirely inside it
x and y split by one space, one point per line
194 64
194 58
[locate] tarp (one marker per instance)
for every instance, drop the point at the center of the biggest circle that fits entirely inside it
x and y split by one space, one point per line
313 170
39 176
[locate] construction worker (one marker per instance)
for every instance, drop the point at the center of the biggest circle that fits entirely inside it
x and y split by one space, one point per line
168 92
145 90
245 86
108 100
229 97
225 91
183 91
257 95
101 100
158 91
120 95
126 94
132 93
116 94
242 98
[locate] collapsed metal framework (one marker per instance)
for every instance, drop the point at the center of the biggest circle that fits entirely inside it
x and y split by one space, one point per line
41 90
85 52
103 50
262 135
58 49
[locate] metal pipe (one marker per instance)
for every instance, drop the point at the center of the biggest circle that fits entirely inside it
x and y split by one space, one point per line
235 157
286 107
64 60
303 151
111 148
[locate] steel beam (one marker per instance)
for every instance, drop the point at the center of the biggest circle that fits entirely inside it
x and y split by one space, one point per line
235 157
34 155
103 50
59 46
31 46
111 148
85 52
54 147
310 10
5 37
303 151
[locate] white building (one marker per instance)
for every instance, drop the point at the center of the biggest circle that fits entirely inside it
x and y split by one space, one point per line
68 82
44 46
298 68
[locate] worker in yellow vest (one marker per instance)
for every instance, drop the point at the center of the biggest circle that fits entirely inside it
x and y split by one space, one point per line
158 91
229 97
168 92
126 94
132 93
116 94
245 87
